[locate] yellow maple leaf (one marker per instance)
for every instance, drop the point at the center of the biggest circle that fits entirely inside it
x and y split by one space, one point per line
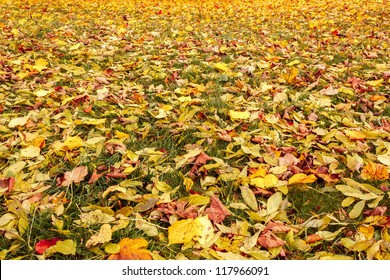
40 65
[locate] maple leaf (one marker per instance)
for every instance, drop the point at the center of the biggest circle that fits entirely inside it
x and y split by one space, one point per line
217 212
132 249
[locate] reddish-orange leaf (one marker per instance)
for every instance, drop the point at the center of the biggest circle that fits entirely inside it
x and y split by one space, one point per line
312 238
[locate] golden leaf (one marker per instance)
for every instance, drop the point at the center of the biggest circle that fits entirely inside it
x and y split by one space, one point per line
301 178
132 249
375 171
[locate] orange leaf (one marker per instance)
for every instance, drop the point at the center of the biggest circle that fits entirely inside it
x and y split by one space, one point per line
375 171
132 249
312 238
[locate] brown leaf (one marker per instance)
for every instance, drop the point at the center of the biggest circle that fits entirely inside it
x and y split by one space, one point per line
132 249
75 176
278 227
217 212
269 240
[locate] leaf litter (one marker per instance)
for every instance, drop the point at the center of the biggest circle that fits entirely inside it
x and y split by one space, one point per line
196 130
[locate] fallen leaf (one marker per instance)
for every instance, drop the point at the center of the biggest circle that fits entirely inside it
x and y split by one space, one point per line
217 212
269 240
249 197
75 176
132 249
301 178
104 235
375 171
42 245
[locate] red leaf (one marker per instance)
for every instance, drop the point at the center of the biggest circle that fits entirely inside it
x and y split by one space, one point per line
217 211
42 245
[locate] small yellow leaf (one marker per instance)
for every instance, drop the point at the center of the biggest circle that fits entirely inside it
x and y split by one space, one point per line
18 122
355 135
111 248
66 247
30 152
237 115
42 92
104 235
189 28
273 203
368 231
384 159
40 64
182 231
357 209
375 83
249 197
73 142
222 66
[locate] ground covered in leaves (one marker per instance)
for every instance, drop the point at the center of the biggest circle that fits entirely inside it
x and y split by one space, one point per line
194 129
